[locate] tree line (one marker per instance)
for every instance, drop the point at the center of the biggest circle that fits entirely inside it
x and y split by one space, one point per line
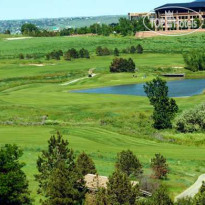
83 53
124 27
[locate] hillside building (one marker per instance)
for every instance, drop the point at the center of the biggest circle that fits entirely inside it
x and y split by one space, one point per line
176 16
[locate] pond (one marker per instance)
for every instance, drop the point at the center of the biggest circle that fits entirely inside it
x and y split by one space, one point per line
177 88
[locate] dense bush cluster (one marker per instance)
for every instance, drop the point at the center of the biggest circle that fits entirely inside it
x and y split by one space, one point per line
102 51
192 120
122 65
133 49
195 60
130 50
71 53
27 56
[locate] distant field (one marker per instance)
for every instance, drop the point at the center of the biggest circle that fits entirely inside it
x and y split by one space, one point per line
101 125
10 49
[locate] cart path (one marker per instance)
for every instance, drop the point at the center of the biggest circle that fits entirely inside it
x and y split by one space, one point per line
76 80
192 190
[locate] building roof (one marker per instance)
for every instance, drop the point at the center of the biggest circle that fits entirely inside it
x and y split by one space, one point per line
191 5
94 182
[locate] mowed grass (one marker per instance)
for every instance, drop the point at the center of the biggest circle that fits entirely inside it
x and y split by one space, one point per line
101 125
47 44
186 163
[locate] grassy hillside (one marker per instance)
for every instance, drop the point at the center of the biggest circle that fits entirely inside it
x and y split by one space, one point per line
101 125
8 49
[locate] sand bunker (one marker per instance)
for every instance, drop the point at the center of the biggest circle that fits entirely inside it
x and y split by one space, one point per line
18 38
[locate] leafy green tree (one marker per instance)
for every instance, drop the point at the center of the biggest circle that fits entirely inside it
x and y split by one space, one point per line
139 49
116 52
191 120
29 28
120 190
13 182
85 164
122 65
50 164
159 166
126 27
161 197
165 109
128 163
195 60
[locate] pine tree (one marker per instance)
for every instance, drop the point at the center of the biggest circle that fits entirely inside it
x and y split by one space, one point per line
65 186
116 52
128 163
139 49
50 164
13 183
159 166
85 164
120 190
161 197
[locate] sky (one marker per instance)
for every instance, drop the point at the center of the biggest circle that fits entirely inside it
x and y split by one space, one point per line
33 9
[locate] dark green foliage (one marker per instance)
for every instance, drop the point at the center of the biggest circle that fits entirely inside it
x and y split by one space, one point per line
192 120
13 183
159 166
29 29
67 56
133 49
200 197
59 179
73 53
83 53
54 55
126 27
160 197
195 60
116 52
164 108
101 197
8 32
65 186
21 56
184 201
139 49
102 51
120 190
128 163
122 65
85 164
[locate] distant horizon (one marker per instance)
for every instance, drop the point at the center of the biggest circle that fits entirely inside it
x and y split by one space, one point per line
62 17
49 9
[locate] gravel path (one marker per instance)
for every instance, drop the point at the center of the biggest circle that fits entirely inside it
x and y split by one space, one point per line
76 80
192 190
